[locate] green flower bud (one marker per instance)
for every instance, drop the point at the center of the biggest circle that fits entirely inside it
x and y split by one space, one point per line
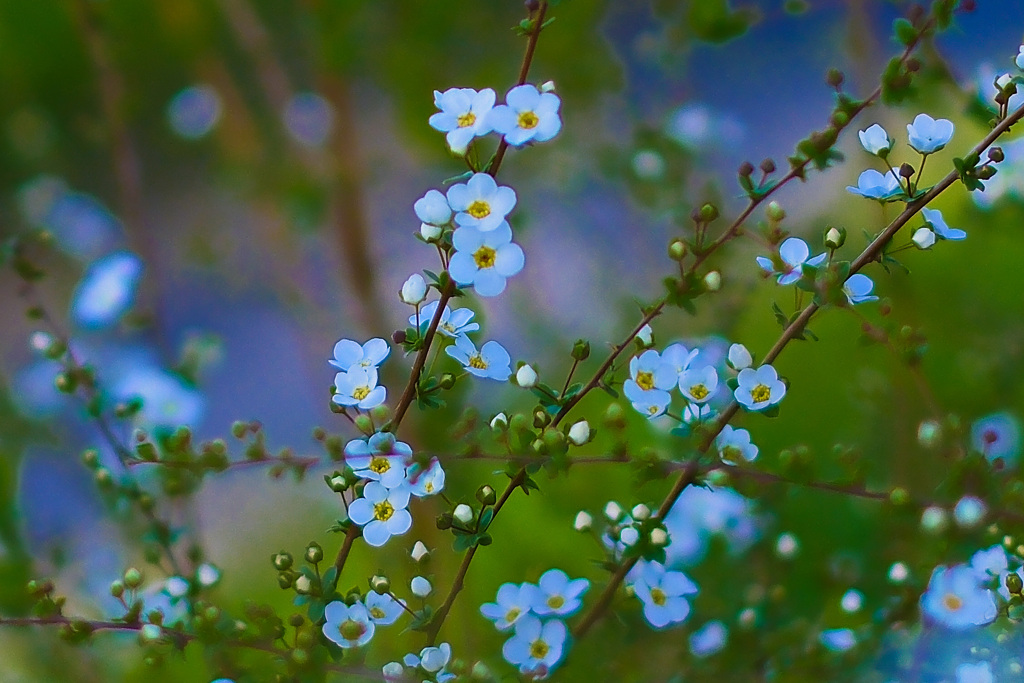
614 416
319 434
581 349
314 553
444 521
364 424
1014 584
486 495
301 657
539 447
774 211
709 212
380 584
285 580
132 578
66 382
447 381
677 250
555 441
91 458
835 237
296 620
713 281
239 428
834 77
117 588
282 561
103 477
986 172
147 451
541 418
996 155
336 481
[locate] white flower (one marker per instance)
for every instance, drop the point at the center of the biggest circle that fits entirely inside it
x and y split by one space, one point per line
419 551
699 384
758 389
612 511
429 233
794 254
107 290
734 445
527 115
348 626
480 203
433 209
629 536
929 135
420 587
463 513
526 377
938 223
383 610
381 512
583 521
739 357
640 512
874 185
838 639
349 354
414 291
513 603
708 639
678 357
358 387
452 323
659 537
857 289
923 238
485 259
876 141
492 360
969 511
207 575
535 645
650 378
464 115
852 601
380 458
662 593
645 335
426 482
579 433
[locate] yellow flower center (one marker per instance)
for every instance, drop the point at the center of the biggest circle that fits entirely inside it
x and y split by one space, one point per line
952 602
512 614
429 487
383 510
528 120
448 327
658 596
477 362
731 453
556 601
652 410
479 209
359 393
760 393
699 391
484 257
380 465
645 380
539 649
377 613
351 629
467 119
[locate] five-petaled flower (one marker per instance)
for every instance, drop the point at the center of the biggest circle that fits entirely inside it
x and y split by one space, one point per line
452 323
358 387
874 185
380 458
699 384
349 354
929 135
512 604
527 115
536 645
758 389
480 202
663 593
650 378
857 289
381 512
734 445
464 115
938 223
348 626
557 594
383 610
485 259
875 141
492 360
957 600
794 254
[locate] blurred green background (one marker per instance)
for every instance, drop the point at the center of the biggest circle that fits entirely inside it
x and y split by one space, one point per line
262 157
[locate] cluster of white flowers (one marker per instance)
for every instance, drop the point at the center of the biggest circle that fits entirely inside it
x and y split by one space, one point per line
793 254
926 135
354 625
391 478
535 612
530 114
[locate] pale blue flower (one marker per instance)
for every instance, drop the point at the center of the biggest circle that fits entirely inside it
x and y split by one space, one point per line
838 639
758 389
997 436
383 610
168 402
464 115
734 445
536 647
348 626
480 203
794 253
452 324
709 639
491 361
528 115
558 595
381 512
426 482
380 458
433 209
938 223
349 354
358 387
650 378
739 357
485 260
875 141
678 357
929 135
663 593
857 289
989 563
694 412
874 185
956 600
980 672
699 384
513 603
107 290
430 662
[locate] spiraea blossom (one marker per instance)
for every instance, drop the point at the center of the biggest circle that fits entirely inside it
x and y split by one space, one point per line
433 209
875 141
380 458
426 482
480 202
650 378
348 626
349 354
491 361
734 445
758 389
381 512
558 595
857 289
873 185
662 592
938 224
514 601
464 115
485 259
928 135
794 254
431 662
358 388
383 610
107 290
452 324
698 385
528 115
997 436
536 646
957 600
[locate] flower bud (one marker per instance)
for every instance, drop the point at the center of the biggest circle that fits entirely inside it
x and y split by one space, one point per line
420 587
614 416
486 495
303 585
150 633
774 211
1003 80
835 238
645 335
579 433
419 551
90 458
547 86
708 213
986 172
713 281
430 233
541 418
282 561
581 350
481 671
336 482
380 584
613 511
463 513
640 512
1014 584
285 580
923 238
834 77
929 433
444 521
499 422
745 169
526 377
768 166
677 250
906 170
414 291
117 588
207 575
398 337
364 424
132 578
629 536
996 155
583 521
314 553
65 382
393 670
739 357
447 381
659 537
